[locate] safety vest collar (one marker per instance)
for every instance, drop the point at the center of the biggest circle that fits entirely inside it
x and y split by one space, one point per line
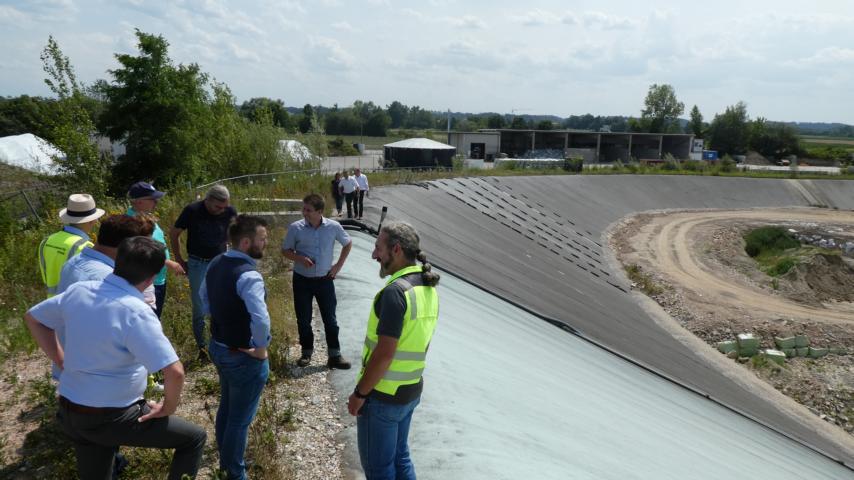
403 271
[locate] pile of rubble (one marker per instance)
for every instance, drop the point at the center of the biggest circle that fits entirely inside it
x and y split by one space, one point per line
847 247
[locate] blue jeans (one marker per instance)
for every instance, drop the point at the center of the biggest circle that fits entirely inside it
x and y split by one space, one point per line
196 274
241 379
383 431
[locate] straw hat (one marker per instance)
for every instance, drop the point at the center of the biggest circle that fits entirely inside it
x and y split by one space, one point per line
80 209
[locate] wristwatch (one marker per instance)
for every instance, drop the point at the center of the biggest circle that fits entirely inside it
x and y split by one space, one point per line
358 394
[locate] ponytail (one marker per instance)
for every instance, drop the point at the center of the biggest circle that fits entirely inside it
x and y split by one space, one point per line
430 278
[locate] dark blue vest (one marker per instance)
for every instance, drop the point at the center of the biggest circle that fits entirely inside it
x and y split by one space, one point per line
229 317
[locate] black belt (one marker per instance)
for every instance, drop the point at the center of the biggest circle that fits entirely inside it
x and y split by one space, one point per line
76 408
200 259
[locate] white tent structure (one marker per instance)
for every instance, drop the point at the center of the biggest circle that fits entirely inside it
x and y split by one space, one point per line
29 152
296 150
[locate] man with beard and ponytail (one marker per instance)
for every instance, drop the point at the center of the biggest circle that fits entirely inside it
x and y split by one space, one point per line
400 327
233 293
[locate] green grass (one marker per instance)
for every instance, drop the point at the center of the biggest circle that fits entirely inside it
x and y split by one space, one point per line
643 280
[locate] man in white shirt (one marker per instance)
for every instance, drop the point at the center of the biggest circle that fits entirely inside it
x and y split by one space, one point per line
349 187
362 184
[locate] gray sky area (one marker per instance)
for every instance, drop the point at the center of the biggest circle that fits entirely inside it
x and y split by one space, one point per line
789 61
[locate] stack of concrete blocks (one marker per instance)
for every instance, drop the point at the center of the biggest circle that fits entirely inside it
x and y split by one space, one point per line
747 345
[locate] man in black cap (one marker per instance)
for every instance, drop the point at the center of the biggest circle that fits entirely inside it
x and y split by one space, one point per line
143 200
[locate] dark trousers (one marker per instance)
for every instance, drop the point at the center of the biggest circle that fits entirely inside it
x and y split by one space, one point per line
349 197
97 436
159 299
360 204
339 203
322 289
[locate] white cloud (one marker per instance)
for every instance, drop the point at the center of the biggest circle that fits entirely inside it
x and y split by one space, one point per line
327 53
606 21
466 21
11 15
344 27
536 18
830 56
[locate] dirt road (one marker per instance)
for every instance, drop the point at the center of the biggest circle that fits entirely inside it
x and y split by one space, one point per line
707 283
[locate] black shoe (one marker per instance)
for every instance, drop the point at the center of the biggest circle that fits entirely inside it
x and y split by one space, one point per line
304 361
338 362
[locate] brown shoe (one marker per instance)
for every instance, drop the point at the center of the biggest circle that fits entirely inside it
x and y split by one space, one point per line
338 362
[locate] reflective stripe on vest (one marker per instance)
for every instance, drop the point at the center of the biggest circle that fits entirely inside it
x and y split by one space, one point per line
54 251
407 365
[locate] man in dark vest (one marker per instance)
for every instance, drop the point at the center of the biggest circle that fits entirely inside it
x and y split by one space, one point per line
233 293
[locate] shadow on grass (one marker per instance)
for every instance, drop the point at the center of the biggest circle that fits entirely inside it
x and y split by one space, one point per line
46 453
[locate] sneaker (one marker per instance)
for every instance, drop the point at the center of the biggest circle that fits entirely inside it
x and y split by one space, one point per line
304 361
338 362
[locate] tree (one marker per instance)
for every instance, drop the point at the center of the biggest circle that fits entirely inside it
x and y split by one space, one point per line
728 133
307 117
71 129
695 124
160 111
519 123
397 112
25 114
252 109
661 109
495 121
773 140
545 125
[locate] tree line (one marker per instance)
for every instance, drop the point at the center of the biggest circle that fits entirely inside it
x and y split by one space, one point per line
179 125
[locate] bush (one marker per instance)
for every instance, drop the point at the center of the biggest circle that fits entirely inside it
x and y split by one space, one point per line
769 239
574 164
339 148
728 165
781 267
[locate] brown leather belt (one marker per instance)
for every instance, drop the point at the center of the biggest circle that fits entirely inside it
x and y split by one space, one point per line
76 408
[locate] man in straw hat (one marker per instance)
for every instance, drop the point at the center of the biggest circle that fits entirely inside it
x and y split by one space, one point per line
80 216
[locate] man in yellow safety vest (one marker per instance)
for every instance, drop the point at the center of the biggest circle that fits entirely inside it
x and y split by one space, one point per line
400 327
80 216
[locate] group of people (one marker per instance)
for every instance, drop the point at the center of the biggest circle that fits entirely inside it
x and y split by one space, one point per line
100 327
352 189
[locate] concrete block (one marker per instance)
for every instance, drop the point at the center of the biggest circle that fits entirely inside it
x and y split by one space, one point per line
817 352
784 342
775 356
748 344
790 352
727 346
838 351
802 352
802 341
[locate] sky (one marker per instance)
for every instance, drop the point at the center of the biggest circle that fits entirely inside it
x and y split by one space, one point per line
788 61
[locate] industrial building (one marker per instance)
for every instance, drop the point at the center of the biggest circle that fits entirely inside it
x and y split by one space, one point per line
593 147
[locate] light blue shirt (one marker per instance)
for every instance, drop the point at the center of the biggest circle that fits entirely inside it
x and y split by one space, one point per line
89 265
113 339
158 235
315 243
250 288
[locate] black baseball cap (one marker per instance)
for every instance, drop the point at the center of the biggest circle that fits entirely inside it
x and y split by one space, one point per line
144 190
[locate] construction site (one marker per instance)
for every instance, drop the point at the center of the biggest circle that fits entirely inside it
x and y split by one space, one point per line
548 351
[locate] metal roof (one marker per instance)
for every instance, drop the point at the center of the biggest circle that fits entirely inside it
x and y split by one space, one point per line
421 144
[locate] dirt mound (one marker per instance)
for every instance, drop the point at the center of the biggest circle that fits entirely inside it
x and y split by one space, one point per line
823 277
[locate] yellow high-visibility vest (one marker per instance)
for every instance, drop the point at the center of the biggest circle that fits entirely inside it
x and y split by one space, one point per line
54 251
419 322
